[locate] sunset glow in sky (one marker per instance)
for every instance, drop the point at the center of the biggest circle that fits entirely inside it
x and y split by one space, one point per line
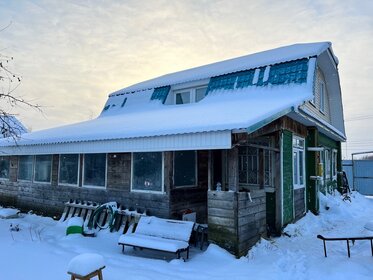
72 54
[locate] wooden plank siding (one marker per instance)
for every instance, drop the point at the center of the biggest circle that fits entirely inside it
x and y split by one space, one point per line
299 205
235 222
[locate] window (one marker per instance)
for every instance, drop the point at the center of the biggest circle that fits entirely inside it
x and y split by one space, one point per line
94 170
327 164
147 172
43 167
69 169
190 95
248 161
334 164
25 167
322 97
182 97
4 167
185 168
298 162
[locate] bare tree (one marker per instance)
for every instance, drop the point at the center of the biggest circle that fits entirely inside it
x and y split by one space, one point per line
9 82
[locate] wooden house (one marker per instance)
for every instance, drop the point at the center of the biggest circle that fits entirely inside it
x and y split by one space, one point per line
246 143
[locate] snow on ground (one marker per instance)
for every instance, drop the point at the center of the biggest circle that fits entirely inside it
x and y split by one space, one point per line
41 250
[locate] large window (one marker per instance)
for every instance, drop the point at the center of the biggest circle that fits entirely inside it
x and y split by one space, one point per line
94 170
43 167
189 95
25 168
185 168
147 171
69 169
4 167
298 162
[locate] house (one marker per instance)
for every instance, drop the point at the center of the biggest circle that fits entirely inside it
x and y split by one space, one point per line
246 143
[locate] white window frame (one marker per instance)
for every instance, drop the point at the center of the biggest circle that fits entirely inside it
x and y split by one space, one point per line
34 166
328 163
32 170
59 171
148 191
334 164
83 173
322 95
297 150
192 94
195 171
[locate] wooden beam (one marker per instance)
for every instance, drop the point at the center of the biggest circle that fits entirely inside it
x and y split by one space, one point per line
209 171
233 169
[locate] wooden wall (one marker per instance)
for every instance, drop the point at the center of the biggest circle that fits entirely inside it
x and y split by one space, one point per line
299 203
235 222
49 198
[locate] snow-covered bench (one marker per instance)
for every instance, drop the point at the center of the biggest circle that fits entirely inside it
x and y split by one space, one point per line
160 234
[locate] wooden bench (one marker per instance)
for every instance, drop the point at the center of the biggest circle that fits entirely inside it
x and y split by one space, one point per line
160 234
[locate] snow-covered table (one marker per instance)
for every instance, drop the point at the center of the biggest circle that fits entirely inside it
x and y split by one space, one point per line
160 234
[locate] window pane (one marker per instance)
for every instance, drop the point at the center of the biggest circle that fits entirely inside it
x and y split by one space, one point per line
43 166
183 97
301 175
248 165
200 93
334 164
147 171
25 167
185 168
69 165
4 167
295 171
94 169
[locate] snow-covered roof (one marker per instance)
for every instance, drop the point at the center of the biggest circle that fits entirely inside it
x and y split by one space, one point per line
135 115
220 110
269 57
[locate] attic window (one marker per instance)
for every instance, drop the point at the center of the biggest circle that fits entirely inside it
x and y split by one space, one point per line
192 95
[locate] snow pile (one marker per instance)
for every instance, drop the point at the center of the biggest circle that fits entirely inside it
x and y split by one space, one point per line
75 221
8 213
299 256
85 264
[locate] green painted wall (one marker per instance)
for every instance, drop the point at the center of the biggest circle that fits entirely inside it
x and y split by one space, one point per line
312 201
287 173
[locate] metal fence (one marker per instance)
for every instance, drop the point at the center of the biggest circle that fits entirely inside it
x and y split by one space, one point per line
360 175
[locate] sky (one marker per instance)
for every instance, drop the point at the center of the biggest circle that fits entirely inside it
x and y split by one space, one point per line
72 54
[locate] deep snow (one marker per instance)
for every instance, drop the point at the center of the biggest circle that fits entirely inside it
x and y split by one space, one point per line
40 250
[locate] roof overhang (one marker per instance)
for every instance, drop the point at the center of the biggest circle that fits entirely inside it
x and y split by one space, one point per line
308 119
178 142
